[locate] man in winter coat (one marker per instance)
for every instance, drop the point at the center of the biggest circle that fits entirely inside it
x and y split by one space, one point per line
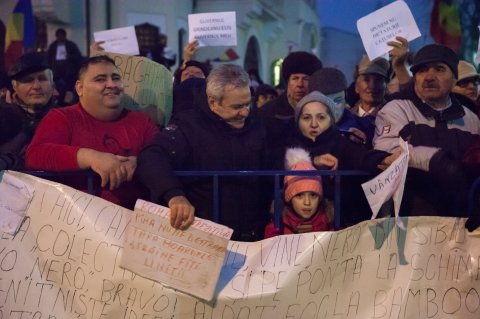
217 135
439 130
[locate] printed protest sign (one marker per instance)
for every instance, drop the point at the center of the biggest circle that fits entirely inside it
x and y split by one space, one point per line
64 262
388 184
383 25
147 85
189 261
213 29
120 40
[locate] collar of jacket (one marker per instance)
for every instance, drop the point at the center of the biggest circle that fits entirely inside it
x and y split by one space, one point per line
219 122
455 111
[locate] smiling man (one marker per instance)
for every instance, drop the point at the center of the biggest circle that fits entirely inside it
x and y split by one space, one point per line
98 134
438 128
217 135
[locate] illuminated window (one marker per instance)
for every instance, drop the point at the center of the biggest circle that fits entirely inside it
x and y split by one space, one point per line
276 72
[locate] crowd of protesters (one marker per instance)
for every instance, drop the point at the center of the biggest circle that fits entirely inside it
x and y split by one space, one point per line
227 119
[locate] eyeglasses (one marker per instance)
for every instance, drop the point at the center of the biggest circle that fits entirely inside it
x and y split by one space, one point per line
465 83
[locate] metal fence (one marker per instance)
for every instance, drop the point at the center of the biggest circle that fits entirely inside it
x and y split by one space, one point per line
93 186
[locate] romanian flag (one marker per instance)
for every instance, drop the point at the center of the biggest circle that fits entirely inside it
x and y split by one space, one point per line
445 26
20 34
227 56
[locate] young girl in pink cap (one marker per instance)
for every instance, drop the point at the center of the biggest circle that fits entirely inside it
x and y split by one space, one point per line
305 209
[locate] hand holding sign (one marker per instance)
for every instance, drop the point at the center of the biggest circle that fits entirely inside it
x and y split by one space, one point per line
389 184
120 40
383 25
213 29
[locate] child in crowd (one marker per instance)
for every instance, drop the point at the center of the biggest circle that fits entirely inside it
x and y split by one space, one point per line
305 209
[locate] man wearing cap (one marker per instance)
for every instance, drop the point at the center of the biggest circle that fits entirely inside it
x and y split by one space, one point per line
439 130
370 85
32 97
264 93
278 115
467 84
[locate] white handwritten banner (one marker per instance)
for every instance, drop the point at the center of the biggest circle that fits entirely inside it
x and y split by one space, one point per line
213 28
389 184
119 40
16 195
383 25
64 263
188 260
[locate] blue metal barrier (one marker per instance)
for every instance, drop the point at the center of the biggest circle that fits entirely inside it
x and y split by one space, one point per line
277 191
91 176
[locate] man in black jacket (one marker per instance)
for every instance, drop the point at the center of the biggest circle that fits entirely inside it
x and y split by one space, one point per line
217 135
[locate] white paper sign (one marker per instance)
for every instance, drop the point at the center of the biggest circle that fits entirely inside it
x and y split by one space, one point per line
213 29
383 25
189 261
389 184
16 195
120 40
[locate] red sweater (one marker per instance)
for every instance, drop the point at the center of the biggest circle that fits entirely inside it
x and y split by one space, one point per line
291 222
63 131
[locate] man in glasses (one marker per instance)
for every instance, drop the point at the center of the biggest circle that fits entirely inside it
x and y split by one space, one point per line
467 83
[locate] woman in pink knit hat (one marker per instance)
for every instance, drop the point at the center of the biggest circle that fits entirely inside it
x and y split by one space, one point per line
305 210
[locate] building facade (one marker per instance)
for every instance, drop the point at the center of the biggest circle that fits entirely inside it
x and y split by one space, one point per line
267 30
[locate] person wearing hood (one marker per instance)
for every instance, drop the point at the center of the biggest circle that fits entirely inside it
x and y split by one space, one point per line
217 135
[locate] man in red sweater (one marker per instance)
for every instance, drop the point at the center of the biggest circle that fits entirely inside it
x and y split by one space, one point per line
98 134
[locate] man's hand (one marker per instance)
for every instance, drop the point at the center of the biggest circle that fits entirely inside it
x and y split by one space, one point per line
387 161
181 212
358 134
327 160
130 164
110 167
96 47
189 50
399 51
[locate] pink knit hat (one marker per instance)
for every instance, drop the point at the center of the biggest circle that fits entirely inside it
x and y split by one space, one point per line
297 159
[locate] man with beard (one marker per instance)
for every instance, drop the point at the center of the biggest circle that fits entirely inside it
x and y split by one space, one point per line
439 130
98 134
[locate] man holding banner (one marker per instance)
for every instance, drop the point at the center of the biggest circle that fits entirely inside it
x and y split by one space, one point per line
439 130
217 135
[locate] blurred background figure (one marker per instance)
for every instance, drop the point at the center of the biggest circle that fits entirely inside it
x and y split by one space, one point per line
467 85
64 58
263 94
